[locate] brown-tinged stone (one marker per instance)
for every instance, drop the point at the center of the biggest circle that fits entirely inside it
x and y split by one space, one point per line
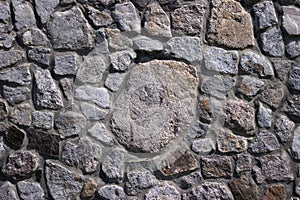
210 109
274 192
227 142
217 166
15 136
89 188
273 95
244 188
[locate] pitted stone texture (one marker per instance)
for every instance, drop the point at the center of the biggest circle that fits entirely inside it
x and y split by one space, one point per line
220 60
21 164
217 86
45 92
265 142
8 191
230 25
113 192
45 8
92 112
23 14
227 142
292 106
250 86
11 57
42 119
294 78
29 190
138 180
34 37
127 17
113 165
272 42
264 116
3 110
256 64
99 18
5 18
150 114
15 136
62 182
210 110
157 22
189 19
100 133
188 48
209 190
114 81
283 128
244 188
3 147
217 166
163 191
16 95
19 75
117 40
244 163
66 64
69 30
293 48
281 67
273 95
40 55
146 44
275 191
265 15
21 114
89 187
296 144
188 181
99 96
291 20
203 146
198 130
66 85
121 60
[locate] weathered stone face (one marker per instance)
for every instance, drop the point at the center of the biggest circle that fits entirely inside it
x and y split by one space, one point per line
157 101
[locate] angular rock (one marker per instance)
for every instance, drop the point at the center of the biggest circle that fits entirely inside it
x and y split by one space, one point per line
114 81
163 191
117 40
121 60
16 95
3 110
66 64
220 60
100 133
291 20
217 86
23 14
99 96
273 95
274 192
264 116
10 57
295 147
281 67
244 163
265 142
188 48
3 147
143 43
66 85
203 146
189 180
21 164
210 109
293 48
217 166
244 189
7 40
230 25
198 130
92 112
5 18
113 165
21 114
111 192
272 42
249 85
40 55
264 15
256 64
227 142
42 119
35 37
19 75
294 78
8 191
29 190
157 22
45 8
62 182
15 136
283 128
69 30
89 188
148 114
292 106
99 18
138 180
127 17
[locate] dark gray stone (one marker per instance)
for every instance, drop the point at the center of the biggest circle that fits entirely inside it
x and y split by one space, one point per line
293 48
100 133
23 14
113 165
40 55
265 15
35 37
29 190
11 57
99 18
66 85
45 8
295 148
21 114
15 136
16 95
113 192
121 60
217 166
43 119
4 110
144 43
281 67
3 147
203 146
92 112
265 142
244 188
189 180
273 95
291 20
264 116
272 42
292 106
164 190
227 142
244 163
218 86
8 191
138 180
114 81
66 64
250 86
283 128
294 78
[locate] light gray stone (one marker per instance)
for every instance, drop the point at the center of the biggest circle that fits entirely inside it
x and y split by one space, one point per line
250 86
295 148
281 67
121 60
16 95
265 142
92 112
117 40
217 166
100 133
272 42
45 8
114 81
35 37
113 165
113 192
66 85
283 128
7 40
5 18
291 20
163 190
293 48
264 116
11 57
21 114
66 63
8 191
99 18
138 180
144 43
40 55
218 86
23 14
203 146
20 74
273 95
29 190
43 119
227 142
265 15
220 60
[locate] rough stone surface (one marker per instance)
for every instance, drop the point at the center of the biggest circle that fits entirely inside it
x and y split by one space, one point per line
92 112
294 78
19 74
146 44
188 181
217 166
244 188
99 18
29 190
265 15
296 144
227 142
66 85
272 42
293 48
217 86
272 95
34 37
16 95
163 191
281 67
8 191
203 146
250 86
283 128
21 114
121 60
117 40
45 8
210 110
114 81
138 180
23 14
111 192
292 106
264 143
3 110
40 55
244 163
89 188
11 57
15 136
113 165
291 20
66 64
42 119
100 133
198 130
276 191
264 116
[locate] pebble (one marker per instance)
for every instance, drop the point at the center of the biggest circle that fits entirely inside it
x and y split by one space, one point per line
113 165
272 95
250 86
227 142
283 128
121 60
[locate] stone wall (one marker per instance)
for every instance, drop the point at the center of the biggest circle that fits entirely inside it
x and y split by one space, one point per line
167 99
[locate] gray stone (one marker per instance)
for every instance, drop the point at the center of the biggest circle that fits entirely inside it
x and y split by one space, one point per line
293 48
114 81
294 78
23 14
265 15
5 18
273 95
69 123
40 54
16 95
227 142
42 119
203 146
3 110
66 63
291 20
141 3
99 18
113 192
113 165
92 112
281 67
100 133
283 128
264 116
189 180
297 187
29 190
295 147
21 164
11 57
45 8
189 19
157 22
144 43
292 106
81 153
8 191
7 40
89 187
99 96
34 37
117 40
211 109
62 182
272 42
188 48
250 86
244 188
3 147
66 85
217 166
138 180
147 114
21 114
45 92
198 130
121 60
163 191
256 64
15 136
127 17
244 163
265 142
209 190
20 74
218 86
220 60
69 30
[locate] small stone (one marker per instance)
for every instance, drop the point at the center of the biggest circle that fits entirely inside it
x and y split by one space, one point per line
163 191
138 180
127 17
15 136
69 123
23 14
45 92
274 192
244 163
8 191
244 188
292 106
29 190
33 37
203 146
92 112
272 42
264 116
99 18
291 20
188 48
45 142
198 130
19 75
273 95
293 48
294 78
189 19
45 8
16 95
296 144
113 165
188 181
100 133
265 142
89 188
217 166
3 110
62 183
283 128
143 43
220 60
99 96
11 57
111 192
121 60
157 22
114 81
82 154
21 114
218 86
281 67
40 55
256 64
211 109
230 25
21 164
42 119
265 15
66 64
227 142
66 85
250 86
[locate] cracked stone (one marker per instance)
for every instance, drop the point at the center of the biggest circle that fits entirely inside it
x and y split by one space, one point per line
3 110
111 192
217 166
265 142
244 163
144 43
295 147
273 95
292 106
274 192
42 119
203 146
272 42
264 116
113 165
15 136
265 15
23 14
227 142
100 133
29 190
66 64
19 75
163 190
138 180
121 60
114 81
283 128
35 37
45 8
40 54
21 114
93 112
294 78
16 95
244 188
8 191
99 18
291 20
11 57
250 86
293 48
